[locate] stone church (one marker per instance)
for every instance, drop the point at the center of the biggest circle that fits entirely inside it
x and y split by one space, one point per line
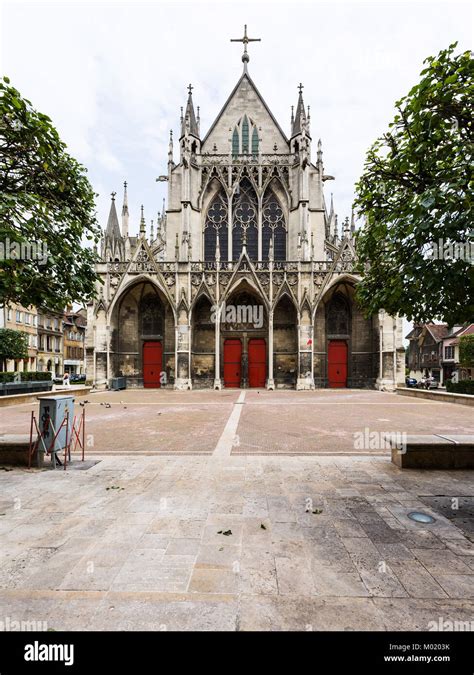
246 279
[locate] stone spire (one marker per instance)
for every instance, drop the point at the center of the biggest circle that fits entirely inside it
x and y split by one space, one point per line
113 229
170 150
189 122
320 154
125 213
300 119
142 223
353 227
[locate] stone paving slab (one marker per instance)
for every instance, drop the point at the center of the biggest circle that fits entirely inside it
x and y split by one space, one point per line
228 543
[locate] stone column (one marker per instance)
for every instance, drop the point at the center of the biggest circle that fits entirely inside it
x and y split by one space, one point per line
270 380
391 363
217 356
107 328
305 352
183 356
244 377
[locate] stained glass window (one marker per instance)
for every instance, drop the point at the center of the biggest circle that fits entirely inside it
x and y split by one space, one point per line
151 314
216 222
245 135
245 210
338 316
235 142
273 225
255 141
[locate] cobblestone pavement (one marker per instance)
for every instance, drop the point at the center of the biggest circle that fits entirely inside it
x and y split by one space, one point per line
251 421
234 543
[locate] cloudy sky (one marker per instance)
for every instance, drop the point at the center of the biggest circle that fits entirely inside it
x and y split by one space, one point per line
113 75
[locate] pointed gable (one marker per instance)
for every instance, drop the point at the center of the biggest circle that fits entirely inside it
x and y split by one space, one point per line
245 99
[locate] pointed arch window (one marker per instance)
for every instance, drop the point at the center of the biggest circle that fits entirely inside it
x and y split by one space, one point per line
245 136
216 224
151 316
255 140
244 224
338 317
273 227
235 142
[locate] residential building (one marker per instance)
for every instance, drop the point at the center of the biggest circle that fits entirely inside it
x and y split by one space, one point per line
74 324
50 342
24 319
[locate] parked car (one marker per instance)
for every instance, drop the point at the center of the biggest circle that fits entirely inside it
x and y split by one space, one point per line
77 378
410 382
428 383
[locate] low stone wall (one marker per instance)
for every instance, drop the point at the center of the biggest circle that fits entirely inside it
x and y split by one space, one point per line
434 395
15 449
31 398
435 451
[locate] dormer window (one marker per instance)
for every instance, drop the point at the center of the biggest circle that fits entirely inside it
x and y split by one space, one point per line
245 138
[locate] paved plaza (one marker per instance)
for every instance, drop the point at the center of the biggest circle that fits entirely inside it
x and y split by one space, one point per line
249 422
239 511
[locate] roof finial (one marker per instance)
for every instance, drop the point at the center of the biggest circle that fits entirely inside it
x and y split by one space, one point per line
245 40
300 88
112 194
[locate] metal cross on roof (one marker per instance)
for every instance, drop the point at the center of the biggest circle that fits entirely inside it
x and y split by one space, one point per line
245 40
190 88
300 88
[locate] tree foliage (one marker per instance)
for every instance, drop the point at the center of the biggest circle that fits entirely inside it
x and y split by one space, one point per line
13 345
417 188
466 351
47 209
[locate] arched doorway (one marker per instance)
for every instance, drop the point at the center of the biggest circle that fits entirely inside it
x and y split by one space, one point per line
345 342
244 339
143 337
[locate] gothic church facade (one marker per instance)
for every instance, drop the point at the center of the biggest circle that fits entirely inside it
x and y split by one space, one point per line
247 280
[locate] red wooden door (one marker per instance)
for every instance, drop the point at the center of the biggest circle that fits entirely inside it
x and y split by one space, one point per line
232 362
257 363
152 364
337 363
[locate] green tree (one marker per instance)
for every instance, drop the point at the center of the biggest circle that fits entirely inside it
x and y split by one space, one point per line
466 351
417 188
13 345
47 209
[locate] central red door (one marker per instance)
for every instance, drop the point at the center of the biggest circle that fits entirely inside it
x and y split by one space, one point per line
152 364
337 363
232 362
257 363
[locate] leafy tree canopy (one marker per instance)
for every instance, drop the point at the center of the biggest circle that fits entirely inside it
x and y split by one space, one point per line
417 189
13 345
466 351
46 209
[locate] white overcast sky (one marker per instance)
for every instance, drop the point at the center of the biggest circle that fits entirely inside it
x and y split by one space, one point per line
113 75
